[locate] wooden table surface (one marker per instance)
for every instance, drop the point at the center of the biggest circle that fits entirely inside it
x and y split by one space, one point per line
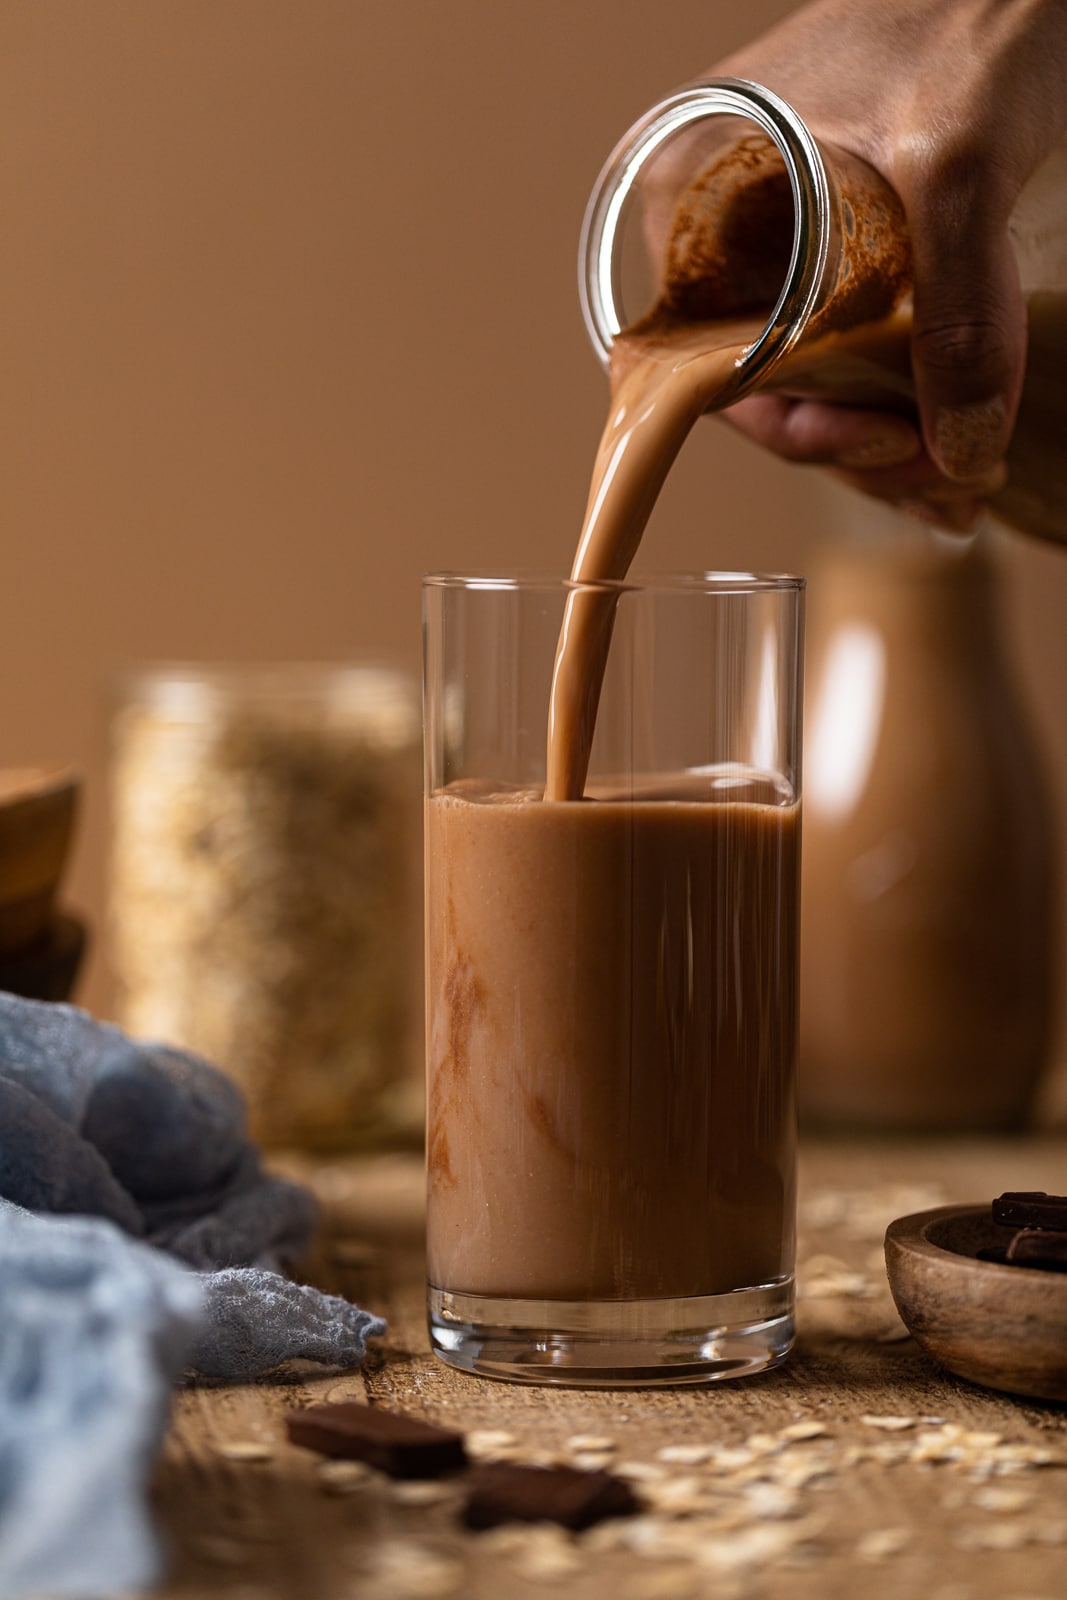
952 1493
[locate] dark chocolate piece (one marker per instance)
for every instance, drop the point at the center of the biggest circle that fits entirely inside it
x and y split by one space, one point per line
1039 1247
1031 1209
504 1491
402 1446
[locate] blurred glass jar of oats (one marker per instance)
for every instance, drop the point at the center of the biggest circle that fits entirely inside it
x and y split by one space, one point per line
266 863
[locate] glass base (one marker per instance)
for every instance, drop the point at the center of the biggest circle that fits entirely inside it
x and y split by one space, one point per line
614 1344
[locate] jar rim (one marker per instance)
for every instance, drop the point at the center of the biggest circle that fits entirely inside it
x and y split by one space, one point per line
184 689
598 268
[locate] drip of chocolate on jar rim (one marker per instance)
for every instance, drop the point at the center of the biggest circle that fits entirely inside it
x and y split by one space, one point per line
730 241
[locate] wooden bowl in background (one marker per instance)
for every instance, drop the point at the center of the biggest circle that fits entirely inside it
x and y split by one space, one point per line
48 969
37 809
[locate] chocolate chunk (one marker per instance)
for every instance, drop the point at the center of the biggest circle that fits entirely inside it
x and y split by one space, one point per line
1039 1247
506 1492
403 1446
1031 1209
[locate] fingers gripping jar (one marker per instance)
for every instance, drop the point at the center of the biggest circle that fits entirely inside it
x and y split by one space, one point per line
761 219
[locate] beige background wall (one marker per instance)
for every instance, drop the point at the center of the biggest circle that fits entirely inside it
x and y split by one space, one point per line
288 315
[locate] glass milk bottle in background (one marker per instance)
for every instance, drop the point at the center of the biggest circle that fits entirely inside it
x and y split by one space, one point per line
266 869
927 951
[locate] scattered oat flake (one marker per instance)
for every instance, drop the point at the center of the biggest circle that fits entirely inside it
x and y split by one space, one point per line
546 1553
981 1455
1021 1457
245 1450
411 1571
888 1424
427 1493
686 1455
888 1452
732 1460
597 1443
650 1535
546 1458
546 1564
1005 1501
824 1278
341 1477
881 1543
678 1494
511 1536
752 1546
772 1501
604 1536
981 1441
489 1441
798 1472
763 1444
993 1536
935 1447
797 1432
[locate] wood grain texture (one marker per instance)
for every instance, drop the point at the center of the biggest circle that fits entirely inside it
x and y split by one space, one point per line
963 1518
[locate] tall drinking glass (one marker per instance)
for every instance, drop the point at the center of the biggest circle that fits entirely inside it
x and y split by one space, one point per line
611 984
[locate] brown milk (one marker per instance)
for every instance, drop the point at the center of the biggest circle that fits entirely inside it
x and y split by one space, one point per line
626 1130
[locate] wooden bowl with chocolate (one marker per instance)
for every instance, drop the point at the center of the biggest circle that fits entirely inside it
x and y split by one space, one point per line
983 1289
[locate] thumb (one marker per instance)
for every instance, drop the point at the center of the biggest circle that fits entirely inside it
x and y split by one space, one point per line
969 338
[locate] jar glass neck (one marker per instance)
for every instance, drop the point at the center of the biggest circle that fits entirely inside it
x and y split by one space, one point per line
815 230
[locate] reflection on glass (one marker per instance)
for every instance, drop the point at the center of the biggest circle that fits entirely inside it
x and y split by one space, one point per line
846 720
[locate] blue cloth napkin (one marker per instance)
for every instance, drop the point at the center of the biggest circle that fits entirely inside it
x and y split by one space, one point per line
139 1238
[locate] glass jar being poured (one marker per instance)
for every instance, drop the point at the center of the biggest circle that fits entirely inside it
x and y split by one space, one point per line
804 249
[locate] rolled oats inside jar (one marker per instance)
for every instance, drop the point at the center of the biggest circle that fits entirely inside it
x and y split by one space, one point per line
265 888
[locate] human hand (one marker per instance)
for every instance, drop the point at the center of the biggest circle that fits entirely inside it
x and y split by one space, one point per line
955 103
